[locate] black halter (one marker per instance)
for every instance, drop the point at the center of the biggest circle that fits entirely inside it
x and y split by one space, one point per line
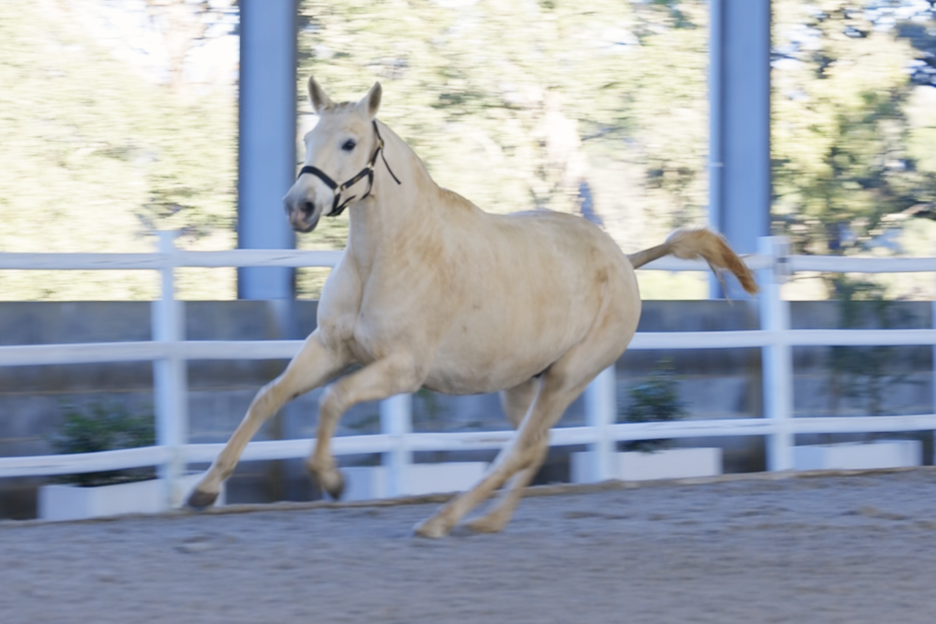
338 206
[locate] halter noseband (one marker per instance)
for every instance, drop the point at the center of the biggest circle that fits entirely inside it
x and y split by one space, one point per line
338 206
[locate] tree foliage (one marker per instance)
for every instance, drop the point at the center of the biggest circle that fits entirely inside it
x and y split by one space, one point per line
96 156
845 164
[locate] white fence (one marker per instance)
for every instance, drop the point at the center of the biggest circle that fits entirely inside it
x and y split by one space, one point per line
169 351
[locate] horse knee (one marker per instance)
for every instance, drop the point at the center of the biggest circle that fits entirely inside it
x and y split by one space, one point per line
267 399
332 403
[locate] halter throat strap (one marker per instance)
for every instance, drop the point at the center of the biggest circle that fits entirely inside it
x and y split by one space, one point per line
338 206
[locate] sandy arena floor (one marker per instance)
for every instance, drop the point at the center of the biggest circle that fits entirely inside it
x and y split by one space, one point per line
855 549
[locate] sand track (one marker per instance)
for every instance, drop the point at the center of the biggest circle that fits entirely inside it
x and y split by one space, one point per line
856 549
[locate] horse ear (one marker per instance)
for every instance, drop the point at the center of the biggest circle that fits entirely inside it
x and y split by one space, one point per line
317 97
371 102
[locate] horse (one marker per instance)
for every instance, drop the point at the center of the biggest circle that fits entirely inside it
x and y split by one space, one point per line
434 292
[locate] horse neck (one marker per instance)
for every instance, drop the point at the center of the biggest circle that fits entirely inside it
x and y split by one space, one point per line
397 216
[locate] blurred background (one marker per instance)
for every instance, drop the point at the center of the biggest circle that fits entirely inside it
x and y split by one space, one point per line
120 117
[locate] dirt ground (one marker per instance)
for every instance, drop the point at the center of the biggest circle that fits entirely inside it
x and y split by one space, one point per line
856 549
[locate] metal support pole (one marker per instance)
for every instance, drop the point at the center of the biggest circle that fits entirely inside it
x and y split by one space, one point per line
777 358
396 420
600 413
267 141
169 374
739 118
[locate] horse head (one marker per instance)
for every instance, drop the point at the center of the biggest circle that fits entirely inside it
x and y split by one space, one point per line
340 154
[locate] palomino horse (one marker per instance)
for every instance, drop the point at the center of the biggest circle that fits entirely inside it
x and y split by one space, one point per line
433 292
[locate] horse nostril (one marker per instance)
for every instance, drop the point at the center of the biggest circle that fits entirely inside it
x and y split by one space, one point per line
309 208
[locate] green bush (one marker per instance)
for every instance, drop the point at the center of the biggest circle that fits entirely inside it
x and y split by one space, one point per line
654 400
104 426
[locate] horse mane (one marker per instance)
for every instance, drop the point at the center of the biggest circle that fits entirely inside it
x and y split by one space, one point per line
456 199
449 197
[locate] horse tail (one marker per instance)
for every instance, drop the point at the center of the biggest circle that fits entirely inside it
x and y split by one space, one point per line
693 244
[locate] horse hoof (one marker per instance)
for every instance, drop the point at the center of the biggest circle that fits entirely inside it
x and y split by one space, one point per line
430 529
336 486
332 483
199 500
485 524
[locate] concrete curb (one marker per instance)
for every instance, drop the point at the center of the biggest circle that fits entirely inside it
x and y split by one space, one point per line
559 489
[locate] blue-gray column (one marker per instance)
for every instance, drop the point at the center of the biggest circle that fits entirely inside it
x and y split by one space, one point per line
267 143
739 95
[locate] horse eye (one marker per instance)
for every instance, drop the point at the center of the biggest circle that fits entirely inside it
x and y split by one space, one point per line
348 145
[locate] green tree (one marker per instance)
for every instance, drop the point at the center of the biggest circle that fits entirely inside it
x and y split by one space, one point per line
96 156
845 169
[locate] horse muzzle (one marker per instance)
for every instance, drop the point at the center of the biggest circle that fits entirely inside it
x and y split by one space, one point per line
303 219
302 210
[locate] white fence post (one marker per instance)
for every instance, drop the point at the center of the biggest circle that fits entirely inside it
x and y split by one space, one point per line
777 356
396 420
169 374
600 414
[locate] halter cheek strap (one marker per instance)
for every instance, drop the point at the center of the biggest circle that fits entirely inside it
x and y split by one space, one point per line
338 206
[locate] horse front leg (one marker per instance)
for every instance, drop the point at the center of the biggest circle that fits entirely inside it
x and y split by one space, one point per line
382 379
314 365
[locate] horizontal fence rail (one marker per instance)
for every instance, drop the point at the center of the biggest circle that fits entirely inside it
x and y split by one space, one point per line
157 261
169 351
90 353
46 465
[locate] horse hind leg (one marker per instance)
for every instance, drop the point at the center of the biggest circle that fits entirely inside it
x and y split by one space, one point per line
497 518
516 403
522 454
313 365
561 384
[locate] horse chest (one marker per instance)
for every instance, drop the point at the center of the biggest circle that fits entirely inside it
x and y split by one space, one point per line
375 336
364 345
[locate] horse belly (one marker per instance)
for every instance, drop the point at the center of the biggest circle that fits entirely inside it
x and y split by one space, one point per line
487 350
466 377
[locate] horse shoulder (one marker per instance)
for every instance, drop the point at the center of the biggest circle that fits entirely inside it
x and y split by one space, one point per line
340 302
